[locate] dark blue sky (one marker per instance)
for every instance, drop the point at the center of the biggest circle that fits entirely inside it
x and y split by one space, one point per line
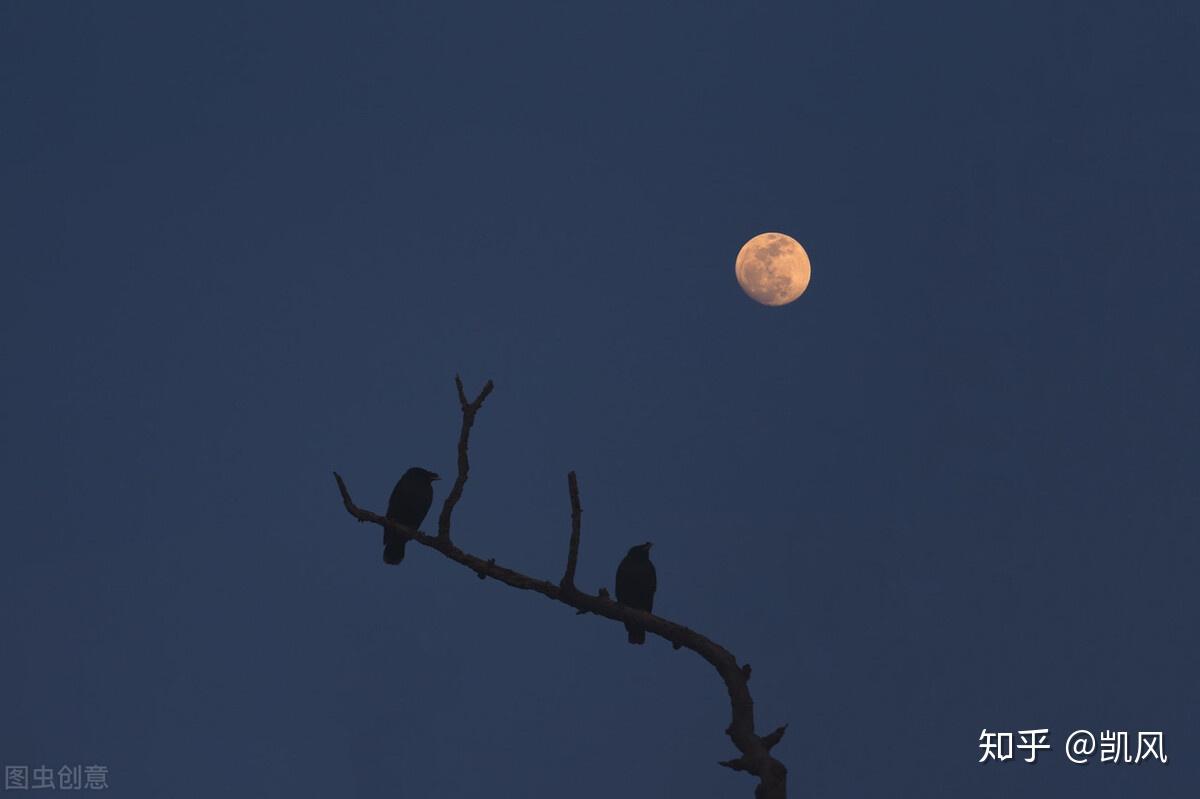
954 486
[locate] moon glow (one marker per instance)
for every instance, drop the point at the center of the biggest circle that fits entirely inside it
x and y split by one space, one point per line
772 268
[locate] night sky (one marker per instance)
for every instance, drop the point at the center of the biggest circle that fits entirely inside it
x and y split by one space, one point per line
952 487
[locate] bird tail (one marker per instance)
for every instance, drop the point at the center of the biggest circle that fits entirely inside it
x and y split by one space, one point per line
393 548
637 633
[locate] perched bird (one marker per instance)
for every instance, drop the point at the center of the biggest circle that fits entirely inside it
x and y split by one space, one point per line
408 505
636 581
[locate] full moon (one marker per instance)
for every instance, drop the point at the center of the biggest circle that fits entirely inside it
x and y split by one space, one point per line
772 268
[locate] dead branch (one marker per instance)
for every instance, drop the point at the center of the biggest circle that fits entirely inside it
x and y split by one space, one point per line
469 409
568 580
755 751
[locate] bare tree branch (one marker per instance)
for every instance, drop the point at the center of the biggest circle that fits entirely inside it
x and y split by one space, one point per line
755 751
469 409
568 580
774 737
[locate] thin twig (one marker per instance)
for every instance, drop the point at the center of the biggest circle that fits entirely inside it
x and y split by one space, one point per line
568 580
469 409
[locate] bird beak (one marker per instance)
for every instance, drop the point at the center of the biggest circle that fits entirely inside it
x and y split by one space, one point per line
649 544
435 477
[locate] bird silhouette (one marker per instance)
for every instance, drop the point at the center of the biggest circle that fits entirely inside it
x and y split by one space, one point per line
408 505
636 582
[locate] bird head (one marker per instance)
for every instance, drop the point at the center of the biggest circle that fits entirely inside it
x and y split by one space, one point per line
417 473
641 551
